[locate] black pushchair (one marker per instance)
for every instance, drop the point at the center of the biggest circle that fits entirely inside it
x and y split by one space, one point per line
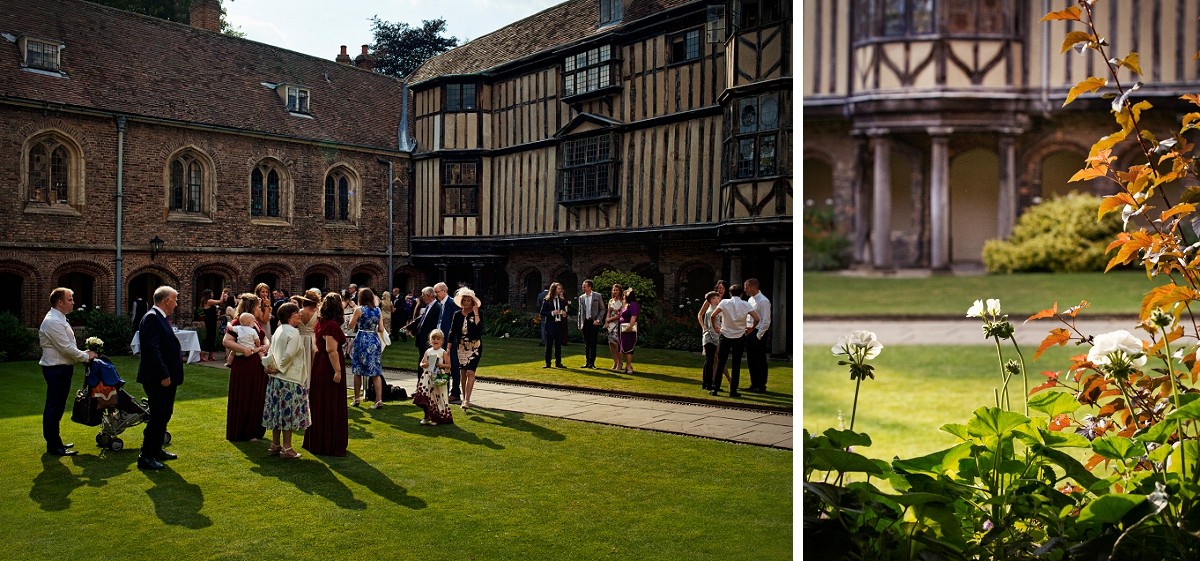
104 402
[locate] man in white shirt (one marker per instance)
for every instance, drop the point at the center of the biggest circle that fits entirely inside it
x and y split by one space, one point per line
59 355
756 341
730 319
591 316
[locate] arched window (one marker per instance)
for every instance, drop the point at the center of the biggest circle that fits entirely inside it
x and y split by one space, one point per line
186 183
341 204
269 191
53 175
191 182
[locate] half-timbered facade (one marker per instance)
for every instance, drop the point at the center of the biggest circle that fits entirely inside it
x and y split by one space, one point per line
599 134
251 163
930 125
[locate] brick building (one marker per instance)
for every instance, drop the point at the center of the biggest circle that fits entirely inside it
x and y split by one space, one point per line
250 162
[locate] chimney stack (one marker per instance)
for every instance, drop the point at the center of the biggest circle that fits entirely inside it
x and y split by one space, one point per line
365 61
205 14
343 58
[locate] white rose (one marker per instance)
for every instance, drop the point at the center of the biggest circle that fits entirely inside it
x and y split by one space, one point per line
976 309
1120 340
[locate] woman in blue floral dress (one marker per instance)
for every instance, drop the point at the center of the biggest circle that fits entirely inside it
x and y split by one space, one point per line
367 357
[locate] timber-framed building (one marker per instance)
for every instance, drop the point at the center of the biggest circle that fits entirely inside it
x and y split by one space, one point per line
930 125
652 136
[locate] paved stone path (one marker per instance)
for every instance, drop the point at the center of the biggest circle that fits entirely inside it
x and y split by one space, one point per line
721 423
965 331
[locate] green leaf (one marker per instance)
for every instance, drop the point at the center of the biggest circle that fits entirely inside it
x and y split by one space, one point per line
1054 403
936 463
1109 509
1160 433
993 421
956 429
847 438
1188 450
1189 412
1117 448
1072 467
917 498
842 461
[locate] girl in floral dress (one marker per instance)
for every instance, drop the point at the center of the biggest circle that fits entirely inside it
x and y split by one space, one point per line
286 407
366 358
432 393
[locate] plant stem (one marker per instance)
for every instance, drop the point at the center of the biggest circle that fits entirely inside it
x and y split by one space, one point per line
1175 397
1024 374
854 409
1003 376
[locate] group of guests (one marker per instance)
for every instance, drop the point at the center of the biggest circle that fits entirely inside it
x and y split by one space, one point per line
618 319
448 332
733 326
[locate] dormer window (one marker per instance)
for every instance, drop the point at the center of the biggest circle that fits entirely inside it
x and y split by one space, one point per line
41 55
588 71
611 12
297 99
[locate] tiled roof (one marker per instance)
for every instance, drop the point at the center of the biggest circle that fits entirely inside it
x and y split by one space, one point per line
569 22
122 62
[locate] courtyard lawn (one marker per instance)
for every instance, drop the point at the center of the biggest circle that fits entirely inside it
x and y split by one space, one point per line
916 390
1022 295
670 374
496 485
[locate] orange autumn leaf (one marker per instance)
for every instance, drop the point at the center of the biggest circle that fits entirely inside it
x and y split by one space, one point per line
1057 336
1166 296
1048 313
1050 383
1071 14
1059 423
1091 84
1194 98
1182 208
1114 202
1073 311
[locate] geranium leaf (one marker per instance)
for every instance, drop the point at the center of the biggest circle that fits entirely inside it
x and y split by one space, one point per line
1054 403
1189 412
1159 433
956 429
847 438
1109 509
1072 467
1058 336
827 459
1117 448
993 421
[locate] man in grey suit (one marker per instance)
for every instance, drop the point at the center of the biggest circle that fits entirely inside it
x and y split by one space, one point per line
160 372
591 317
445 319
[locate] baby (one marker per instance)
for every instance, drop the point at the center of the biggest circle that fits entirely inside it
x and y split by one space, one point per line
245 332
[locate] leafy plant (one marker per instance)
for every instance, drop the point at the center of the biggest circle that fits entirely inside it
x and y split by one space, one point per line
1059 235
825 248
17 342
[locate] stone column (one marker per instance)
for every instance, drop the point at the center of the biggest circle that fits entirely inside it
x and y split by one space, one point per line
881 223
781 328
735 269
1007 210
939 199
860 200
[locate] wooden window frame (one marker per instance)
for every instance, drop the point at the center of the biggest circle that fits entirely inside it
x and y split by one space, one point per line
611 12
692 46
580 169
757 136
457 102
892 19
580 67
452 184
41 54
752 14
298 99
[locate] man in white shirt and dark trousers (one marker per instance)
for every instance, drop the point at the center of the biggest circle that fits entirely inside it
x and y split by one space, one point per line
591 316
730 318
59 355
756 341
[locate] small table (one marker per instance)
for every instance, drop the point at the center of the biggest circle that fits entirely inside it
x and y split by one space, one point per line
189 342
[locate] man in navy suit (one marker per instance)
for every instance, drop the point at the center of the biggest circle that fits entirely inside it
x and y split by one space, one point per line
446 318
425 323
160 372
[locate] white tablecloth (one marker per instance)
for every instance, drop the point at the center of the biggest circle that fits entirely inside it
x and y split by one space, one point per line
189 342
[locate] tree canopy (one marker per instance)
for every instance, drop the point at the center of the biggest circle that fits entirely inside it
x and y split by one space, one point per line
170 10
400 48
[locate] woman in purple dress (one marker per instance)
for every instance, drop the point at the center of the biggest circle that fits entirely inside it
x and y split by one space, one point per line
247 380
628 329
329 433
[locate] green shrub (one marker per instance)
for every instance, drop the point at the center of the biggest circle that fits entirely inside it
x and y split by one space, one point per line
116 331
501 320
17 342
825 248
1059 235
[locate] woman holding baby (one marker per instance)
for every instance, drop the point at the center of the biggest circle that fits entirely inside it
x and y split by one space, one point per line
248 378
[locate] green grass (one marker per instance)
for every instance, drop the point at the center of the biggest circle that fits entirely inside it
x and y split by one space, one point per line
497 485
1021 295
671 373
916 390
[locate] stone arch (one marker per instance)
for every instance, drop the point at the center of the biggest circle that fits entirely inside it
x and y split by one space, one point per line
694 279
285 275
208 181
599 268
26 302
651 271
232 277
818 179
531 283
375 274
332 275
167 277
101 279
411 276
356 186
75 173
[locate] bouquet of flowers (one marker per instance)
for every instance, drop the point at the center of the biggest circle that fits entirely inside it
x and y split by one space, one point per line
94 344
441 378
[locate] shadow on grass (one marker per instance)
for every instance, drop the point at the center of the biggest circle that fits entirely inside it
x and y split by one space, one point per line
53 487
309 476
412 425
362 472
515 421
177 502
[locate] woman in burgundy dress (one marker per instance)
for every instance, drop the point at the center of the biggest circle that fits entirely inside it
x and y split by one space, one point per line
329 433
247 381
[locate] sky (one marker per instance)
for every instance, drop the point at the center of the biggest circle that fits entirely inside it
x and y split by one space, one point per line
312 27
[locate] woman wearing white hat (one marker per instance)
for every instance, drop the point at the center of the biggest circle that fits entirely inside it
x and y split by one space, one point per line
466 339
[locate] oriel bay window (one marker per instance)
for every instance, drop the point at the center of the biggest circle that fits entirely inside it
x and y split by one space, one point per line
587 170
751 150
461 97
460 188
589 71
